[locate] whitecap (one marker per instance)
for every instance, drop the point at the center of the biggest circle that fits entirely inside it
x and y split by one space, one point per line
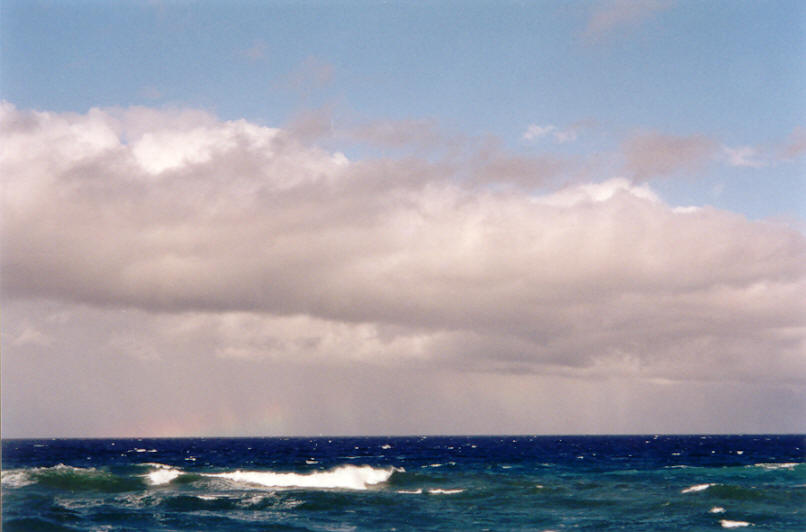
774 466
695 488
210 497
412 492
716 510
346 477
162 475
386 446
726 523
16 478
439 491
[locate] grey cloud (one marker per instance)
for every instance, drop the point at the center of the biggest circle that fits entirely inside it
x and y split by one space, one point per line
87 384
271 249
651 154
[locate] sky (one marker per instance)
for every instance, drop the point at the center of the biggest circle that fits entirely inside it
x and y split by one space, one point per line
361 217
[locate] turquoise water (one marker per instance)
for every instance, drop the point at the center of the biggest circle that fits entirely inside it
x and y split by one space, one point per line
410 483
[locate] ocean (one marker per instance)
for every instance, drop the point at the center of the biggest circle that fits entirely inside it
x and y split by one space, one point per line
542 483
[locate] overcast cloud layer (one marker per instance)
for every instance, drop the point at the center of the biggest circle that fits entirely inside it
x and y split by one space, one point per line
182 242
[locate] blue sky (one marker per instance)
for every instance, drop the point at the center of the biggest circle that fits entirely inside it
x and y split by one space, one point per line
453 119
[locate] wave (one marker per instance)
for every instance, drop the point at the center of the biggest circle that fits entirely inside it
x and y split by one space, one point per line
162 475
439 491
16 478
71 478
345 477
696 488
777 465
726 523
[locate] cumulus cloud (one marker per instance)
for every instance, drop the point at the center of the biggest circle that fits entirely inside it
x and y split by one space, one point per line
651 154
269 248
610 16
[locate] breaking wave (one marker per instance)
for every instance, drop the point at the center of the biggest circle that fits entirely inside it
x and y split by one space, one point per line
346 477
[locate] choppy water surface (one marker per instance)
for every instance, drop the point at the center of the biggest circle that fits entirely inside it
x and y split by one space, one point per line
410 483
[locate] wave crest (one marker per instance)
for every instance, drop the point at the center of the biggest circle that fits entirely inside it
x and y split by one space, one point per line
345 477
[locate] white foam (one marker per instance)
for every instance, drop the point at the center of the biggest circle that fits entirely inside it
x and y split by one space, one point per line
412 492
16 478
163 475
346 477
695 488
726 523
716 510
438 491
386 446
774 466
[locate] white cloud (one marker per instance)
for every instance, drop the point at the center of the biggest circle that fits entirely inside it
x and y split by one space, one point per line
535 132
561 136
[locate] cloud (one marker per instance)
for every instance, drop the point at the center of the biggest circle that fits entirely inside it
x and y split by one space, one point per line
313 73
611 16
245 243
421 134
743 157
796 144
32 336
561 136
652 154
256 52
535 132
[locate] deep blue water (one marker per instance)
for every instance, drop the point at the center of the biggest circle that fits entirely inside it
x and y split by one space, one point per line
407 483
